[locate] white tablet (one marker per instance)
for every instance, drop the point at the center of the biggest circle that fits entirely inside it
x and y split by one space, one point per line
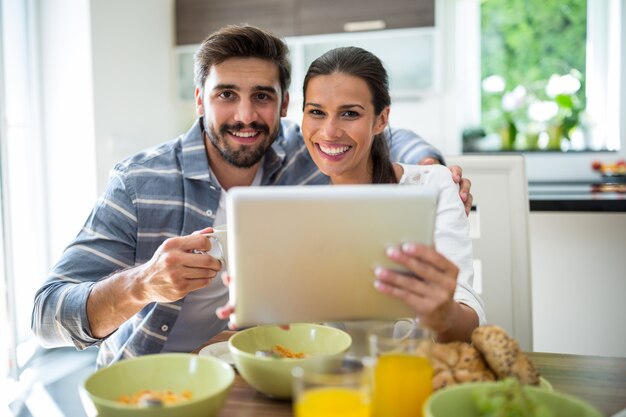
307 253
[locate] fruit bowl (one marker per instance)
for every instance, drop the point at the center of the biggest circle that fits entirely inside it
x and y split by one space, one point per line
613 173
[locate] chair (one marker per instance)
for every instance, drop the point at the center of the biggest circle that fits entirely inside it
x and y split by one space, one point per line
499 231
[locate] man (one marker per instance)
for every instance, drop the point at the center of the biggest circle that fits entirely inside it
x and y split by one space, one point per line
132 281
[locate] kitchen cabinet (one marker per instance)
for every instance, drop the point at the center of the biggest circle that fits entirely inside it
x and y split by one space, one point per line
409 55
577 240
578 282
336 16
195 19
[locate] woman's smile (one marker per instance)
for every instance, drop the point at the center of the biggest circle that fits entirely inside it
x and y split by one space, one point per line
333 151
339 125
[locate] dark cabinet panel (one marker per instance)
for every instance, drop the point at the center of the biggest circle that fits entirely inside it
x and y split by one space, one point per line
196 19
331 16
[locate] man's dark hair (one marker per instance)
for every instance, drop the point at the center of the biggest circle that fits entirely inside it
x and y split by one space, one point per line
240 41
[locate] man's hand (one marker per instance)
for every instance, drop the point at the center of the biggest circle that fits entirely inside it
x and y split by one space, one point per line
176 268
173 272
457 176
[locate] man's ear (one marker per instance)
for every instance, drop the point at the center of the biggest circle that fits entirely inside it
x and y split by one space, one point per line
199 103
284 105
381 121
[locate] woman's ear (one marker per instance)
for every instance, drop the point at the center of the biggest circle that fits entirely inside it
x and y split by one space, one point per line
381 121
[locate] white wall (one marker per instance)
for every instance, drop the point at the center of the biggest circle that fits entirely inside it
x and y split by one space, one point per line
107 92
67 116
133 78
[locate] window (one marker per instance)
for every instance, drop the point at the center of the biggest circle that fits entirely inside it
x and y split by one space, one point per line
546 68
22 185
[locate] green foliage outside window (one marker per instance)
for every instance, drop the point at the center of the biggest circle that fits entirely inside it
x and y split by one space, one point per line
533 66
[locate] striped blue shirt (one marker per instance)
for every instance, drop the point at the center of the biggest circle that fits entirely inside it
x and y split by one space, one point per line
159 193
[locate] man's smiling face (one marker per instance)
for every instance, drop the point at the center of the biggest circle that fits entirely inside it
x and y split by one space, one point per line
242 105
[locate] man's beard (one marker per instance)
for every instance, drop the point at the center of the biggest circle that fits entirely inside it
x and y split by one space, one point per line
246 156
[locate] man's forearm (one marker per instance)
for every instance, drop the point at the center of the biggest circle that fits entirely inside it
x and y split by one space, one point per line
113 301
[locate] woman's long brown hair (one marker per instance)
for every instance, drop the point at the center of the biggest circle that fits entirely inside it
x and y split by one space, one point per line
360 63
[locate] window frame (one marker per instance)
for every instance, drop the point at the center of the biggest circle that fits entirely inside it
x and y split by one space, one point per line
8 368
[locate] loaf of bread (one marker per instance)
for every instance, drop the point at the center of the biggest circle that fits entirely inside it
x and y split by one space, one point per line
492 355
503 355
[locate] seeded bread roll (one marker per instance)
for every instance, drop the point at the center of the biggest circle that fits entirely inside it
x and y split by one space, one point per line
502 354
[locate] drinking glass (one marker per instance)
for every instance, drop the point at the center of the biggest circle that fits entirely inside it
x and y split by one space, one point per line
333 388
402 372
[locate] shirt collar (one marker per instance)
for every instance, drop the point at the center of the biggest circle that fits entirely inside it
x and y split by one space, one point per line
195 164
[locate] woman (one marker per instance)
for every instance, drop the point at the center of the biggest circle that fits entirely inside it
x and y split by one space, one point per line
346 111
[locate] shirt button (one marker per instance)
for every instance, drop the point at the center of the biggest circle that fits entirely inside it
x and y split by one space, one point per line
209 213
165 327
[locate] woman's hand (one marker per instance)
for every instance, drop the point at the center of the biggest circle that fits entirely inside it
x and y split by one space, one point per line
224 312
465 184
427 286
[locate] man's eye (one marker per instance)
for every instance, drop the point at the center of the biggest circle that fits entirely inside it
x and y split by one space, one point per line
226 94
263 96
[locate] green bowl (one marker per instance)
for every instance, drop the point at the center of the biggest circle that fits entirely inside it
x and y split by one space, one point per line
208 379
272 376
458 401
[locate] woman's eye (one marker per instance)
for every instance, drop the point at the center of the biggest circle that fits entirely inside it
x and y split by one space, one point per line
316 112
350 114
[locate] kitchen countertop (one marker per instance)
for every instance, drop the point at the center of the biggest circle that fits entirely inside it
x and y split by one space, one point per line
577 196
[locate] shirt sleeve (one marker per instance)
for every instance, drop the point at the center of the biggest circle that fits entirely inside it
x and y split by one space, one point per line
105 244
407 147
452 237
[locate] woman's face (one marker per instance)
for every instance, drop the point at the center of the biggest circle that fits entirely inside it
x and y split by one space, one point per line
339 124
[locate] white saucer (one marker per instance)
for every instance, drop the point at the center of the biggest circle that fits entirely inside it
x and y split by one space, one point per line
218 350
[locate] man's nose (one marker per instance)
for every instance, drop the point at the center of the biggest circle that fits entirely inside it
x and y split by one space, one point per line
246 112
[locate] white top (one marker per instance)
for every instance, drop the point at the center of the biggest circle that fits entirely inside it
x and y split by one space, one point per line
451 229
197 320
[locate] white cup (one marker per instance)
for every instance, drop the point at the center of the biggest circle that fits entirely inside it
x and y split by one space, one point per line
219 244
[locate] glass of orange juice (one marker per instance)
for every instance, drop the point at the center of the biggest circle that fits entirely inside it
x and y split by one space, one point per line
333 388
402 372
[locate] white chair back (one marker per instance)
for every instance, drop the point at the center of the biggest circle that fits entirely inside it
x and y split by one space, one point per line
499 231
